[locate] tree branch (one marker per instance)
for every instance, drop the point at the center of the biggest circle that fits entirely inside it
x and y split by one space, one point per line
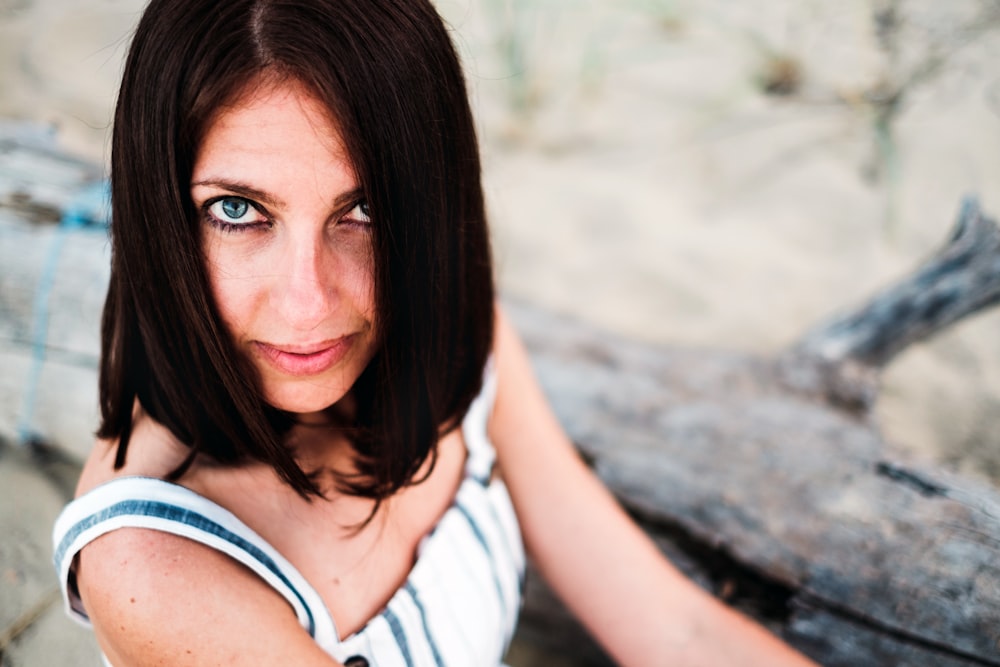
842 356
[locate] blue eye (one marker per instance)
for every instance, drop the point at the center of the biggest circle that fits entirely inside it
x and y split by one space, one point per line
234 212
234 208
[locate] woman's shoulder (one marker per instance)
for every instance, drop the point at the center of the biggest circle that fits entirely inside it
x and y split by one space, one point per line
153 451
135 554
141 605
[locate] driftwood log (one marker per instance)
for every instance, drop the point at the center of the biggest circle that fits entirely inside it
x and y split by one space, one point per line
762 478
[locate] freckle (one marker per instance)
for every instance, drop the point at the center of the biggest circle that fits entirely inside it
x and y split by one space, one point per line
122 628
132 600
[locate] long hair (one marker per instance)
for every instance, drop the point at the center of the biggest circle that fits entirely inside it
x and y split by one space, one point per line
389 76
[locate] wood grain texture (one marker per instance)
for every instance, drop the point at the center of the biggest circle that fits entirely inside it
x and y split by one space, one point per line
788 505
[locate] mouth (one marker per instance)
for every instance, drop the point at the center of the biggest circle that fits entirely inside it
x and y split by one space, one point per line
303 360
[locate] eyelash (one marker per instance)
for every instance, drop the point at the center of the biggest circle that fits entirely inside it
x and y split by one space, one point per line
365 221
231 227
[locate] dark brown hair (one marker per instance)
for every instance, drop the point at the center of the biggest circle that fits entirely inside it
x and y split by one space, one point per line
388 74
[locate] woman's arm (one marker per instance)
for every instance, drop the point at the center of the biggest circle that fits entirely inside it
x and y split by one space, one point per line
159 599
606 570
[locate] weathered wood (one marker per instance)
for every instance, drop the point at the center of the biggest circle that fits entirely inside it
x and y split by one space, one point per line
841 357
798 504
746 470
53 276
960 279
38 182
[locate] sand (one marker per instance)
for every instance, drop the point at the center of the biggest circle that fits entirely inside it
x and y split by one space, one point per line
639 175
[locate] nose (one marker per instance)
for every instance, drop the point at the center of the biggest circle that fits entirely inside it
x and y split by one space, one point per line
305 293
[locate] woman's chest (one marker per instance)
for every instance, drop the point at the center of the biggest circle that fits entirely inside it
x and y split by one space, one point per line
354 559
355 575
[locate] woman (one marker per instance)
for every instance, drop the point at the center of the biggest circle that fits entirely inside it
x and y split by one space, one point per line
321 443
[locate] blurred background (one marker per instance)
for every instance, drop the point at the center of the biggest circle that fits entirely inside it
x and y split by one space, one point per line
702 174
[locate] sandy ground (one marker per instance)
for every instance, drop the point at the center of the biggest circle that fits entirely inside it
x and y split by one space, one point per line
640 175
650 185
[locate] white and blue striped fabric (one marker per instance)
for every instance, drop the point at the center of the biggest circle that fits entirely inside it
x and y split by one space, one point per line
458 606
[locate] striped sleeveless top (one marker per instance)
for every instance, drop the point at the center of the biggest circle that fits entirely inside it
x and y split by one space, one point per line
458 606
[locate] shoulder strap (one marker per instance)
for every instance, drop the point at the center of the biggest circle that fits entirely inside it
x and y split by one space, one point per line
144 502
481 455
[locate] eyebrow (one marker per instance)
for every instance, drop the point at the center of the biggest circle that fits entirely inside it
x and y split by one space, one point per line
244 190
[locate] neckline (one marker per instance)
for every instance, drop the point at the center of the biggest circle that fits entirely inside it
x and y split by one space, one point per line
310 596
476 472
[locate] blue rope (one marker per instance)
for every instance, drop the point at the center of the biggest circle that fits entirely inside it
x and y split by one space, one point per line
89 209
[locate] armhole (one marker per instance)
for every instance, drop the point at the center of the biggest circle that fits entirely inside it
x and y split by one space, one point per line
482 456
140 502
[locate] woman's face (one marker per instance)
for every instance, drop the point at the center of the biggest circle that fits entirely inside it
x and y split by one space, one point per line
287 241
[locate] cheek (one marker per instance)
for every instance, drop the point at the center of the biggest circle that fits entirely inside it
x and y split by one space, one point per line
246 277
356 265
235 291
362 287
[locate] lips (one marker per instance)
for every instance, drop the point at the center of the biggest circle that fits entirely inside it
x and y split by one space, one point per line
302 360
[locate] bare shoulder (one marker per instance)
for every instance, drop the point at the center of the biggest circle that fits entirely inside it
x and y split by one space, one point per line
153 451
157 599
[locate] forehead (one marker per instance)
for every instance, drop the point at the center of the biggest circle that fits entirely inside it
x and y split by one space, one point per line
272 121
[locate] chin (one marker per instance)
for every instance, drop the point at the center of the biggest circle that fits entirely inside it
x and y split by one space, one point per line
305 403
